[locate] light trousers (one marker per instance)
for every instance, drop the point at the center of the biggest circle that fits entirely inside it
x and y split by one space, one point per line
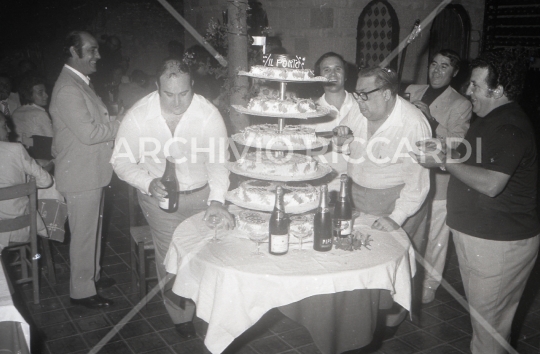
494 275
85 212
162 226
437 244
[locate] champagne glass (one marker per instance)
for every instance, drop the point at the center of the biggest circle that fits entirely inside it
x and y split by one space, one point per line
258 237
215 222
299 229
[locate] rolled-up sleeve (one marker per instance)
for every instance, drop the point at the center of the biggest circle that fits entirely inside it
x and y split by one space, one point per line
415 178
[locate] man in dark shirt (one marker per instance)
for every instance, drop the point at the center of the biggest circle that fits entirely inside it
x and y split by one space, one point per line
492 200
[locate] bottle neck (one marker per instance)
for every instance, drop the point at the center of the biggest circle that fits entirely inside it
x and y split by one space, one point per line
279 207
323 205
343 190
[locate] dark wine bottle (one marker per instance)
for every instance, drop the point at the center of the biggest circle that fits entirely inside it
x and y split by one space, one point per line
343 211
322 224
279 227
169 180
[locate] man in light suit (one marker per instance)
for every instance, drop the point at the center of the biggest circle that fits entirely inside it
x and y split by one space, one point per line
82 145
449 114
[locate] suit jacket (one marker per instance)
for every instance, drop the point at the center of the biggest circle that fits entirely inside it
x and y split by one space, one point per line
453 112
83 135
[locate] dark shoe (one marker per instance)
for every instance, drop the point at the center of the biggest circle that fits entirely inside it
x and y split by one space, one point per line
186 330
92 302
104 283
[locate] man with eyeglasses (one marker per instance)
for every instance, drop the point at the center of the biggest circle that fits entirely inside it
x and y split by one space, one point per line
386 181
492 209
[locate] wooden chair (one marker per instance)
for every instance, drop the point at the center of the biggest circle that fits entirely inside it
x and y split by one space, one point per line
28 255
142 246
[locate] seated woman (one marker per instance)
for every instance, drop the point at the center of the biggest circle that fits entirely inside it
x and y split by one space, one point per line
16 165
31 119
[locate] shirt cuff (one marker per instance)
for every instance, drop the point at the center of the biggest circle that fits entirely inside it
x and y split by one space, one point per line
399 216
218 196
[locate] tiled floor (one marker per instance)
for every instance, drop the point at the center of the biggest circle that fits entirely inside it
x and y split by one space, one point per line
57 327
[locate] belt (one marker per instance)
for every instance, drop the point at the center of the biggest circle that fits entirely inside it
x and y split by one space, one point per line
191 191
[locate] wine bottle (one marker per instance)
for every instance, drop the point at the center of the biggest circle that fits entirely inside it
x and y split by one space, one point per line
343 211
322 224
169 180
279 227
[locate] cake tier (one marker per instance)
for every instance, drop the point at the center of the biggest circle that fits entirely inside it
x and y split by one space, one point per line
267 135
271 106
264 193
281 73
288 165
256 222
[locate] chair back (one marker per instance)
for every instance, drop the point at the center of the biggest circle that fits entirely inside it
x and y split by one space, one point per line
19 191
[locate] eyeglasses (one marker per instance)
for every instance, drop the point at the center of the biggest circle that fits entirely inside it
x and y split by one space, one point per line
363 95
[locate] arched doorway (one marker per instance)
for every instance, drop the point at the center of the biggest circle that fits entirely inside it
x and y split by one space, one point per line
377 34
451 30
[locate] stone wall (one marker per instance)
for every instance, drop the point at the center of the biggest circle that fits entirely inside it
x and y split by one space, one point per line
312 27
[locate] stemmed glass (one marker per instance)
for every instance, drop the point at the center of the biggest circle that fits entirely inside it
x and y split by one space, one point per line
258 237
300 230
215 222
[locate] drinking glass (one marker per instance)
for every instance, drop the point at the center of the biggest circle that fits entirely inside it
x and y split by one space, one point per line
215 222
258 237
300 230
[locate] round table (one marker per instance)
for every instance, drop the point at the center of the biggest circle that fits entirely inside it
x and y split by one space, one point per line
233 289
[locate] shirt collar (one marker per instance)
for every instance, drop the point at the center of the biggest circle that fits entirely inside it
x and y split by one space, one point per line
38 107
79 74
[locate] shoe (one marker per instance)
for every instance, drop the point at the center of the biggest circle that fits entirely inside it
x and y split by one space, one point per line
186 330
428 295
92 302
104 283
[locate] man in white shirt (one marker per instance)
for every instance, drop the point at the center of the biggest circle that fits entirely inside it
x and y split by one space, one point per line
387 182
341 105
174 121
83 136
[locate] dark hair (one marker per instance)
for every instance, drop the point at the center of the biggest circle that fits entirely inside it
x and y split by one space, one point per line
26 88
329 55
175 65
506 68
139 77
385 78
455 60
73 39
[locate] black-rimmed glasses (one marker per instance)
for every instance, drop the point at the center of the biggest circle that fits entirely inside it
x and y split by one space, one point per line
363 95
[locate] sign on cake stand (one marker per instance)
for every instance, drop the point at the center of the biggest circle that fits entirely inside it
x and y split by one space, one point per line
280 150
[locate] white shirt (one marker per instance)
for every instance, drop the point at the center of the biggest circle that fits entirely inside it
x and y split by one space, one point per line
382 161
79 74
199 144
349 108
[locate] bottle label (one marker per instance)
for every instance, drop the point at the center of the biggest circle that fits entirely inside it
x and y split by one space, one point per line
279 243
326 242
164 204
345 227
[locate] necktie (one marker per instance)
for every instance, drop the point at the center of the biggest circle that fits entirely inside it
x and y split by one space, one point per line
5 108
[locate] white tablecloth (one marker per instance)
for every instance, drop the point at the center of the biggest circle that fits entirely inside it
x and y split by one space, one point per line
8 312
233 289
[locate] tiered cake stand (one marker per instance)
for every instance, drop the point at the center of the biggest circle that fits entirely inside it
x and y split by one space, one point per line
322 169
